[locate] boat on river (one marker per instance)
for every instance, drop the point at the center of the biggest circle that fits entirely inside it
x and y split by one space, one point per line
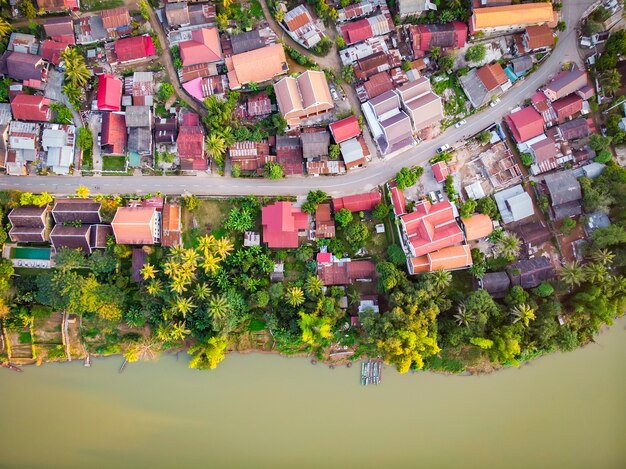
371 372
8 366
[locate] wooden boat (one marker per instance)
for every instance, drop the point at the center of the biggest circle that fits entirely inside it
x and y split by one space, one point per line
88 361
8 366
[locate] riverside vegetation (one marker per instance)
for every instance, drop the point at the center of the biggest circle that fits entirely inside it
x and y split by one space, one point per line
213 294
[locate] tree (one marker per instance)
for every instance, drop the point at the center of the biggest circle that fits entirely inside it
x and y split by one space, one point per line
396 255
572 274
5 27
82 192
165 90
63 113
567 226
356 235
184 306
144 9
463 317
603 256
343 217
608 236
313 286
611 81
347 74
484 137
408 177
208 354
239 219
544 290
28 9
508 245
476 53
446 62
523 313
388 276
435 53
295 296
468 208
148 271
381 211
315 329
561 26
218 307
191 202
77 74
599 142
216 146
334 151
527 159
273 170
341 42
603 157
487 206
407 65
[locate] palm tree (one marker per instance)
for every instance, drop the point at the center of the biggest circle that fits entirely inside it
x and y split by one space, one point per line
184 305
218 307
295 296
201 291
76 71
611 81
155 287
508 245
163 332
603 256
210 264
463 316
190 256
5 27
216 146
206 243
572 274
313 286
178 331
596 273
177 252
523 313
441 279
171 268
147 349
223 247
148 271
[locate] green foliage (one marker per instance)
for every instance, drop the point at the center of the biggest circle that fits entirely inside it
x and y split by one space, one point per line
604 156
484 137
144 9
408 177
446 62
343 217
448 187
468 208
240 219
347 74
356 235
191 202
178 62
381 211
273 170
208 354
235 170
334 151
527 159
567 226
63 113
476 53
396 255
484 344
28 9
561 26
544 290
165 91
488 206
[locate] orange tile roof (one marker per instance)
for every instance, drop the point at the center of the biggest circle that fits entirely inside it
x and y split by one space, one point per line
454 257
539 36
477 226
134 225
256 66
512 15
170 225
492 75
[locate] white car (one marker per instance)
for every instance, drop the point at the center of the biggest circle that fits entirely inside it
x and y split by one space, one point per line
460 123
443 148
494 102
334 94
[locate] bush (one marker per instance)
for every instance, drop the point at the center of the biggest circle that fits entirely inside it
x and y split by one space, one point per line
527 159
604 156
273 171
396 255
165 91
488 206
567 226
476 53
381 211
544 290
343 217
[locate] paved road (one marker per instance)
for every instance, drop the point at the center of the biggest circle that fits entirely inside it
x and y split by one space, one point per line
355 181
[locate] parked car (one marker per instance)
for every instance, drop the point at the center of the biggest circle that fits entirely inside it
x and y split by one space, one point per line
333 93
495 102
460 123
443 148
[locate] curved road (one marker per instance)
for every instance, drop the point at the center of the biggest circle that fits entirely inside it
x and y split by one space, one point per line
356 181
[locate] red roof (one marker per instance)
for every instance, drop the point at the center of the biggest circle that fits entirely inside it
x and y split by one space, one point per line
134 48
26 107
568 106
525 124
431 227
357 31
345 129
324 257
113 133
190 142
204 47
441 171
281 223
357 203
397 200
426 36
109 93
52 50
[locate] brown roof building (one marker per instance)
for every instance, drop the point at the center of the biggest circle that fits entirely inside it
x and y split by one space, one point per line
422 105
85 211
538 37
303 97
115 18
29 224
100 235
71 237
256 66
171 227
324 223
136 225
250 156
347 272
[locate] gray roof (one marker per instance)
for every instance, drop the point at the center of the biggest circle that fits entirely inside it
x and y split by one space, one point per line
351 150
315 144
566 210
522 64
412 7
597 220
138 116
529 273
247 41
593 170
474 88
563 187
139 140
496 283
514 204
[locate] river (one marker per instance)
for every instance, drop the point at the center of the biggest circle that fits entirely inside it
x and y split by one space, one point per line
562 411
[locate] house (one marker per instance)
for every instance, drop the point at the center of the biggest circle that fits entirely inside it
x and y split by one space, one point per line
376 85
565 194
430 227
136 225
303 97
390 126
171 226
525 124
533 233
177 15
371 65
52 50
116 20
250 156
358 31
565 83
345 129
483 84
508 19
545 153
190 144
497 284
23 146
477 226
358 202
58 5
138 116
29 224
141 87
27 107
354 152
450 258
256 66
514 204
440 170
366 48
204 47
71 237
315 144
282 225
445 36
567 107
530 273
58 141
139 124
354 11
84 211
5 120
521 65
289 154
346 272
302 28
398 202
204 87
165 131
296 18
90 29
259 105
325 166
134 49
414 7
324 222
538 38
60 29
109 93
247 41
113 133
570 130
24 43
421 104
100 236
24 67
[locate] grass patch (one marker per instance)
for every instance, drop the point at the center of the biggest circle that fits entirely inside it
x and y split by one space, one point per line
461 281
256 325
209 217
377 243
442 362
114 163
97 5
